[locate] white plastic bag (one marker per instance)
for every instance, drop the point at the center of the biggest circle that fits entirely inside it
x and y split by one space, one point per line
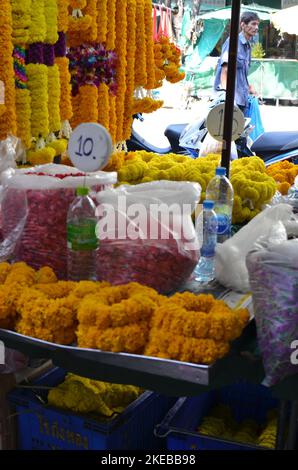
147 235
230 265
211 145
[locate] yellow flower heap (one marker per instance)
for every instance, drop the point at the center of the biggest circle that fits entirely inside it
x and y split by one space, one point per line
192 328
284 173
91 396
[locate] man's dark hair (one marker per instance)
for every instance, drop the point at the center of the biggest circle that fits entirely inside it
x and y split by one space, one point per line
248 16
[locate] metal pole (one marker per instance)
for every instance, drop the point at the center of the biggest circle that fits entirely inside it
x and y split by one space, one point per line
231 79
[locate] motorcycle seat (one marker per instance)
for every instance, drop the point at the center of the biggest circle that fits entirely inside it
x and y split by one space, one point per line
173 132
275 142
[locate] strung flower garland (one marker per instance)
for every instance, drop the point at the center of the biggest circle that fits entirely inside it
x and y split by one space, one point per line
167 61
8 118
23 98
140 60
82 26
130 70
21 19
103 105
38 86
111 27
65 91
51 14
121 44
85 105
63 15
37 28
150 63
54 99
102 21
112 117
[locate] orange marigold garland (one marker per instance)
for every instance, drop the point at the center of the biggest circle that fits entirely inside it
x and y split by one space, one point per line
121 44
103 105
140 63
130 70
167 62
63 15
88 105
111 28
112 117
82 27
65 90
102 20
8 118
284 173
150 63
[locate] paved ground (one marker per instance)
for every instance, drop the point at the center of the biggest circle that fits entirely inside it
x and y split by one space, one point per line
275 118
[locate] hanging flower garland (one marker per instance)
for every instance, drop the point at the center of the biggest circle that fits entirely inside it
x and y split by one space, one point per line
130 70
111 26
54 99
140 62
167 61
21 19
88 105
23 99
38 86
150 63
121 44
102 20
103 105
63 15
37 28
8 118
112 117
65 89
51 14
82 27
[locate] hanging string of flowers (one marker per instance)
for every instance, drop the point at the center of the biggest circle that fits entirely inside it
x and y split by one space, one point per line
8 118
112 117
121 44
111 27
63 15
103 105
38 86
130 70
150 63
82 26
54 99
21 19
65 93
140 63
167 61
51 14
37 28
102 20
23 99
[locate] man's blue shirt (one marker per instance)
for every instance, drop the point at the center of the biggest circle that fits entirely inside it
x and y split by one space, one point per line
243 64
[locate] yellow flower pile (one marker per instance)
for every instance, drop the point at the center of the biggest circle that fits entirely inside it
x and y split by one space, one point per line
167 62
284 173
91 396
194 328
221 424
252 188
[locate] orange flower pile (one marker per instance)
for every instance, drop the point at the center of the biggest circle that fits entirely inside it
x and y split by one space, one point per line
284 173
167 62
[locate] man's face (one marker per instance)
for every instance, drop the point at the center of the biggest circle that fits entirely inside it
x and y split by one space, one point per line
250 29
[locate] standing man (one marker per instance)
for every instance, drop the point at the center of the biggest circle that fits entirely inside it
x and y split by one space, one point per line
249 24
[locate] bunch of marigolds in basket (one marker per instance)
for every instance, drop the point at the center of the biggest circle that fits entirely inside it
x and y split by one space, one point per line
284 173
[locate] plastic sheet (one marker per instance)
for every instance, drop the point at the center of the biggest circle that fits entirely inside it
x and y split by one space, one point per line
147 234
272 266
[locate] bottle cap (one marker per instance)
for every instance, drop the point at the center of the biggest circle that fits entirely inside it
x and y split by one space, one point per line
208 204
221 171
82 191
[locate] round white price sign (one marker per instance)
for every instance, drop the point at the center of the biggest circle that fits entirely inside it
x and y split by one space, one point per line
215 122
90 147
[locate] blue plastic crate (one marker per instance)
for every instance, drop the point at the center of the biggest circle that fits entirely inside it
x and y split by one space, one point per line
180 425
42 427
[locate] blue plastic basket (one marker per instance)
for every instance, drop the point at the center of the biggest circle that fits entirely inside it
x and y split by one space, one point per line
180 425
42 427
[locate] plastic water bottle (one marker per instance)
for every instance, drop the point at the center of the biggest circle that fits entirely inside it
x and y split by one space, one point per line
221 192
207 227
82 243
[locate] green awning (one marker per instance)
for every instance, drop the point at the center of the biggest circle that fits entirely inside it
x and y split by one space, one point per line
224 14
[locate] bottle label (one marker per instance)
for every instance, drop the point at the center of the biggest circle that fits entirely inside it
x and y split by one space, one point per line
82 237
209 238
224 224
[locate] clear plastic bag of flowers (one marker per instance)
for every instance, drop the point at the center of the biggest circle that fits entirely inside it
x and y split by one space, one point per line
272 266
10 150
147 235
49 190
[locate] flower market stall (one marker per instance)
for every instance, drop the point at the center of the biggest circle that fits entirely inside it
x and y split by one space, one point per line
141 320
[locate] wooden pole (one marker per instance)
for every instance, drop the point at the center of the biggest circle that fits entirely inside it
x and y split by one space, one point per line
231 80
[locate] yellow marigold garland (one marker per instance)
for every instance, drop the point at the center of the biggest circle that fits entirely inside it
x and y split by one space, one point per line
38 27
121 44
103 105
41 156
8 118
102 20
111 28
38 86
65 90
54 99
51 14
23 113
140 62
130 70
63 15
21 19
150 66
